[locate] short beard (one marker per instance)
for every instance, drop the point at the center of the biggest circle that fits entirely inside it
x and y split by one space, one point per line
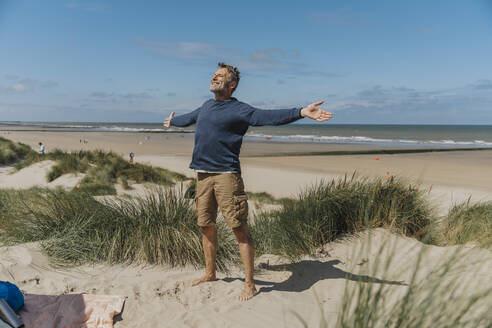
221 88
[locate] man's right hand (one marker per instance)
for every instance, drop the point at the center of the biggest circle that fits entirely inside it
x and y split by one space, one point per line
167 121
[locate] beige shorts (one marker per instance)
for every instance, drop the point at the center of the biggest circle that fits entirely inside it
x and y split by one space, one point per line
223 190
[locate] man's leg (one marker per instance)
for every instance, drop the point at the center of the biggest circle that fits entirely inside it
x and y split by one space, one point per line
233 203
246 249
206 208
209 240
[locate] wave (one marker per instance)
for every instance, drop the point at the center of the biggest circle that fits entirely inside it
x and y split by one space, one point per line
130 129
48 125
95 127
127 129
366 140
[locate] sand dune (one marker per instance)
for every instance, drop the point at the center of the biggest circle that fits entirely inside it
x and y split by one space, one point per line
161 296
35 175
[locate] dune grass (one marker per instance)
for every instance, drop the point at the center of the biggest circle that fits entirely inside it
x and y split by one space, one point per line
11 152
103 170
320 214
265 198
468 223
325 211
440 297
73 228
96 188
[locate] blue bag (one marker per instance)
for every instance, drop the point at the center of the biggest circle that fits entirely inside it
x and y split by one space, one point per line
12 294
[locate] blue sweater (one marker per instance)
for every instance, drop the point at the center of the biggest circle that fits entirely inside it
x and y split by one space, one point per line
220 127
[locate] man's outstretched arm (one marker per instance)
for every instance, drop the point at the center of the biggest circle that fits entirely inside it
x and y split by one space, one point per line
261 117
181 120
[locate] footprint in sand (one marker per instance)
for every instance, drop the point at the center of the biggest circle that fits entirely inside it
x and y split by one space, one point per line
69 289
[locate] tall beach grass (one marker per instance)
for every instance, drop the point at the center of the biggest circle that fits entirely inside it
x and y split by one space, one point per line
11 152
266 198
327 210
467 223
74 228
102 170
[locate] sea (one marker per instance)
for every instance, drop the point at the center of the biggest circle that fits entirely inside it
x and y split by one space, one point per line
442 136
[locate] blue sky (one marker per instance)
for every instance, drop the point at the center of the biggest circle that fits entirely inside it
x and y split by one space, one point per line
415 62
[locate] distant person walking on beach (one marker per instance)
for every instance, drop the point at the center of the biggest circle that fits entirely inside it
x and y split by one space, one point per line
220 126
41 148
132 155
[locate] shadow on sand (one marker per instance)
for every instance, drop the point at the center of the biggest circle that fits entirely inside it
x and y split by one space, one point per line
306 273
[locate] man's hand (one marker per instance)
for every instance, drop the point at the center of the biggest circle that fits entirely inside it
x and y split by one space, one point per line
315 113
167 121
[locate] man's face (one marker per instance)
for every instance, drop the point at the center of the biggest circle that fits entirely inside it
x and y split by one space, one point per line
220 81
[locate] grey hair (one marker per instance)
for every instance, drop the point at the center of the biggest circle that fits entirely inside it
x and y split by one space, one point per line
234 74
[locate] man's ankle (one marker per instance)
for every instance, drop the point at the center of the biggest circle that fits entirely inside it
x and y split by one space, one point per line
210 275
249 284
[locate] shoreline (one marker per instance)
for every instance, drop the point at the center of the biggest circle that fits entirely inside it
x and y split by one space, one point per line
250 148
329 147
389 151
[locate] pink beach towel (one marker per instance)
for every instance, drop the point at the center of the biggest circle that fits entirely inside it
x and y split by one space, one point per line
70 311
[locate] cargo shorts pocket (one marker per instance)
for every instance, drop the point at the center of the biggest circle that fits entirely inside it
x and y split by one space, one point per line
241 207
205 211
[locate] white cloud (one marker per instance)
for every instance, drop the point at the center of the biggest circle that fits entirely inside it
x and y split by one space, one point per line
182 50
137 95
432 104
100 94
112 97
19 87
23 85
483 84
262 59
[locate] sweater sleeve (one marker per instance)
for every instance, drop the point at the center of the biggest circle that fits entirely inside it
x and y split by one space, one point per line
261 117
185 119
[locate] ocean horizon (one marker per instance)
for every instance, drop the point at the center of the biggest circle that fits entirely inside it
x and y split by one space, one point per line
401 135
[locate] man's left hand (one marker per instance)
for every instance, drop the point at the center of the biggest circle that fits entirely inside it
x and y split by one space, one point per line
313 112
167 121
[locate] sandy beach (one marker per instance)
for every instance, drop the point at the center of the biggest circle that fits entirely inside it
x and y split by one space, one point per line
452 177
312 288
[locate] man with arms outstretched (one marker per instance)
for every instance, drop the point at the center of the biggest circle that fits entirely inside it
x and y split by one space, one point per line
220 126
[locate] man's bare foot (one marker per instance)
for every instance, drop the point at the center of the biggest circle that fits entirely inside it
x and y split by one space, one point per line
205 278
247 293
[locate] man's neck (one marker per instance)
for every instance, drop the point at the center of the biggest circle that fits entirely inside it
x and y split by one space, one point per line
222 97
